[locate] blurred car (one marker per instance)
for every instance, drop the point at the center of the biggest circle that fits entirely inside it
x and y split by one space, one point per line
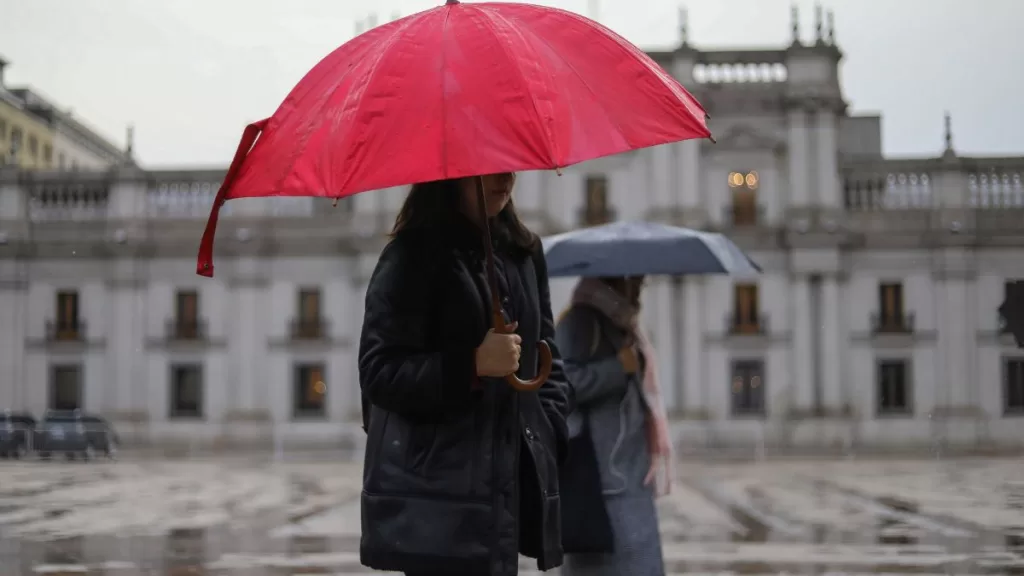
16 434
62 431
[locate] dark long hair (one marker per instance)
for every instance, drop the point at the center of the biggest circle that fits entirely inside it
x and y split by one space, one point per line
434 206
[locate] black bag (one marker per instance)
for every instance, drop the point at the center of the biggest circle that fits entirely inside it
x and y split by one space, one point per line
586 526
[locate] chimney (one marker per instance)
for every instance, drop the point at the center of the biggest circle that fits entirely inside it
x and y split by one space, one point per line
3 64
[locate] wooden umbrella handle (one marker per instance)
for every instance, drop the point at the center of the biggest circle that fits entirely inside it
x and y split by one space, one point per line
544 365
497 318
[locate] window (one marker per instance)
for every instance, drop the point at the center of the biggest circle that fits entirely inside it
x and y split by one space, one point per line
596 211
310 391
33 147
16 140
309 323
744 209
186 314
890 305
186 391
1013 386
1009 287
47 154
893 388
748 388
746 317
68 325
66 387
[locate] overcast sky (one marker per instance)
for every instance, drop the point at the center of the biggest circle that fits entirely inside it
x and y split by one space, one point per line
191 73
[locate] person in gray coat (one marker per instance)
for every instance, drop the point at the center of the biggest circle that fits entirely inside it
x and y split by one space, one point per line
618 435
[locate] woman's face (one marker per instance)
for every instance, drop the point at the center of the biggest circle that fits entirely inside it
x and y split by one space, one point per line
629 287
497 190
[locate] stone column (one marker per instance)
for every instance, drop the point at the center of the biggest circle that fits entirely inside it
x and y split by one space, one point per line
799 153
13 331
687 185
829 195
955 316
694 389
125 393
802 350
664 319
247 336
14 280
662 178
834 343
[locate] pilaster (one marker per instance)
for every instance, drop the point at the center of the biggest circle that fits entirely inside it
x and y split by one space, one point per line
827 145
126 363
802 351
799 155
833 337
694 397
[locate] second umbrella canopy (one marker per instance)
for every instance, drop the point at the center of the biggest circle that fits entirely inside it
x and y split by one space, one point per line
644 249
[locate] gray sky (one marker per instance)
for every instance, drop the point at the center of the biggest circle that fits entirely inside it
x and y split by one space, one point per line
191 73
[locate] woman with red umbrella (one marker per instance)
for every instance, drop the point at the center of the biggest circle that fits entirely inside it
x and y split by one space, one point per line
461 470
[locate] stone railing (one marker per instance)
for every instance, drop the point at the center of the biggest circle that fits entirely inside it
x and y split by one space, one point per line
889 185
50 198
995 182
190 194
183 194
165 195
984 183
738 66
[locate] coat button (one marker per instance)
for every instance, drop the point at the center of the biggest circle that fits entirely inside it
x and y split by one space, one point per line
529 433
505 300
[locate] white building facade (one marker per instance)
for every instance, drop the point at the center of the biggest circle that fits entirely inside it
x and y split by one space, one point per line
874 325
76 146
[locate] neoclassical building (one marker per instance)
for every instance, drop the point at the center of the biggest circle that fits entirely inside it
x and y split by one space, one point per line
874 325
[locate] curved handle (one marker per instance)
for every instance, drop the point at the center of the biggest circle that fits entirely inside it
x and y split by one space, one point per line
544 362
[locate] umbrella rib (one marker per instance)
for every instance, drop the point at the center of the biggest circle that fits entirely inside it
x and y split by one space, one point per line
489 22
632 50
590 89
375 67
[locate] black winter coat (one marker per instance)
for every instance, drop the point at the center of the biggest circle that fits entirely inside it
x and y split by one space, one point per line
460 475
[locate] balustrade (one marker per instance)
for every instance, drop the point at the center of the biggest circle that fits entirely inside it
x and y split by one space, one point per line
739 72
62 200
997 188
184 195
892 185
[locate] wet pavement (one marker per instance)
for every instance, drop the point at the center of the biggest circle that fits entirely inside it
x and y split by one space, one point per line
233 517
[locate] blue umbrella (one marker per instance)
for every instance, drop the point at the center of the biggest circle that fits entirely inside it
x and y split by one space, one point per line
644 249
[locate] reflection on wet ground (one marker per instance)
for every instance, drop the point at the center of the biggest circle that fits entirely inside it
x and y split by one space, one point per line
225 518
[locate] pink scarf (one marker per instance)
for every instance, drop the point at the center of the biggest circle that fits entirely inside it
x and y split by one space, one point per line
597 294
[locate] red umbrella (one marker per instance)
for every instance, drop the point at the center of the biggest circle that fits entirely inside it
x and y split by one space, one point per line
459 90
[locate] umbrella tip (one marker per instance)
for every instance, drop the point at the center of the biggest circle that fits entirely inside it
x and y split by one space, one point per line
450 2
712 138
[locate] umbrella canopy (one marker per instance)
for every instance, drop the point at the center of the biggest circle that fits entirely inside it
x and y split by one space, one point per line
460 90
644 249
454 91
1012 311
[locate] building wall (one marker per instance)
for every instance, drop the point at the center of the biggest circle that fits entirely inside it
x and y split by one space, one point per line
69 154
835 221
12 118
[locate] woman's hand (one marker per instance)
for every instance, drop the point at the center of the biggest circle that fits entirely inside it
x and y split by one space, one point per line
498 354
628 358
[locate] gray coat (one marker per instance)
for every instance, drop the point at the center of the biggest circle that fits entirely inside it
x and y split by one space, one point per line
613 405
